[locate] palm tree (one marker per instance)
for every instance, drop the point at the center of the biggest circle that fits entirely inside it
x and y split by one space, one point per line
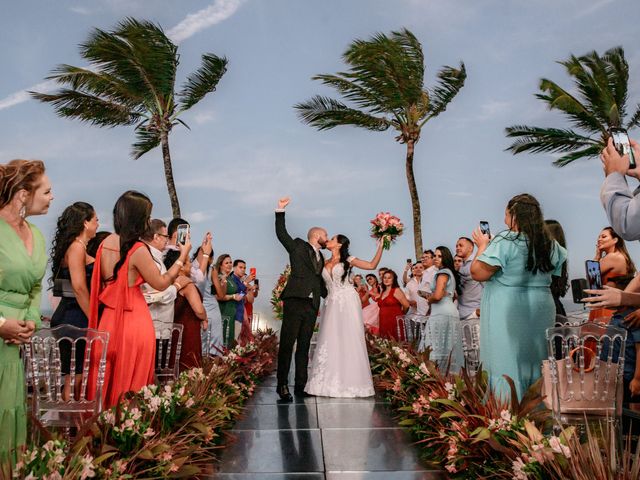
131 81
598 103
385 86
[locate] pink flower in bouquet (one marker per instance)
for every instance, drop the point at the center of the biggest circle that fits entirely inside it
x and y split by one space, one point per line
386 227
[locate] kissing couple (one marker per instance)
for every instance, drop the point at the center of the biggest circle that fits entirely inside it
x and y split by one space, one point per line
340 366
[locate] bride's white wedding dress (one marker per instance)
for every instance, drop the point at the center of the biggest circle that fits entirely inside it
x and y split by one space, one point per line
340 365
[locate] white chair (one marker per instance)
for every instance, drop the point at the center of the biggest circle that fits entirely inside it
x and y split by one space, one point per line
255 322
167 366
583 373
470 333
444 337
45 354
409 327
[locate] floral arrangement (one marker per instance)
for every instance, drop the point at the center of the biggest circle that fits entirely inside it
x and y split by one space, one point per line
460 423
386 227
167 431
276 301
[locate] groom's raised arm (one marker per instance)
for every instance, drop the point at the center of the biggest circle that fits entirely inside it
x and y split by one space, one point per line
281 230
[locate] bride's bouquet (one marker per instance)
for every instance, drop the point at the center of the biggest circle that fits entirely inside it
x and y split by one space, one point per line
387 227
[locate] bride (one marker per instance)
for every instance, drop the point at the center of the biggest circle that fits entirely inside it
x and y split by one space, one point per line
340 365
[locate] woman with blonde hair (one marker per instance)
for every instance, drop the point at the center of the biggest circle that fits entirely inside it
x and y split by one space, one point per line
25 190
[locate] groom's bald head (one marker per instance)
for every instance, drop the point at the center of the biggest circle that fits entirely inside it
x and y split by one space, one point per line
317 235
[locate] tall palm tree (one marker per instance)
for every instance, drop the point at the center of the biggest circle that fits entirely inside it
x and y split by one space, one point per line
597 103
385 86
131 81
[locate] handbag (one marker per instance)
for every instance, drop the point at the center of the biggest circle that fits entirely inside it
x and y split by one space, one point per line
594 395
62 287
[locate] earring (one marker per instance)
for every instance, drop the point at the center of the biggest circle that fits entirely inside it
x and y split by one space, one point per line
23 211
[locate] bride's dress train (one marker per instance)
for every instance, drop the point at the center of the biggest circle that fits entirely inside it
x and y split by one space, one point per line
340 365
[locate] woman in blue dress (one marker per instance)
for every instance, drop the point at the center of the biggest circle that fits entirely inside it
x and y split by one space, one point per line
442 331
517 305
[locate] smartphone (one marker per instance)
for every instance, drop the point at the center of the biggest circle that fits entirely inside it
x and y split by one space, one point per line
484 227
252 271
623 145
242 294
594 275
183 233
256 282
409 261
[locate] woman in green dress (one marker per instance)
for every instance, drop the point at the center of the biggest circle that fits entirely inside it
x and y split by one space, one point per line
517 306
227 295
24 190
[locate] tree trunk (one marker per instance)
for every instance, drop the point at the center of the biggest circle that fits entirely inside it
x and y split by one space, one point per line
168 174
415 201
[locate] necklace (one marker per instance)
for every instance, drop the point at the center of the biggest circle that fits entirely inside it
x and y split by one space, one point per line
81 242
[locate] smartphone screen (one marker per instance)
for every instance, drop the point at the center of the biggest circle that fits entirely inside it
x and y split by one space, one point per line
594 275
183 233
409 260
484 227
622 144
252 271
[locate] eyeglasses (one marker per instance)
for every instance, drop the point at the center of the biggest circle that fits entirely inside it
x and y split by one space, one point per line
163 235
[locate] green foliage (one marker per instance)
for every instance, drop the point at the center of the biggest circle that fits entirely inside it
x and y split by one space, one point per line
598 103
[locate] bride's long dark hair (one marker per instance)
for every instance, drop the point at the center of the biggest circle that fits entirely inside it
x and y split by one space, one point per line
344 254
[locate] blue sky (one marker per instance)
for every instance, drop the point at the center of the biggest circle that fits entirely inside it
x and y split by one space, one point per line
246 147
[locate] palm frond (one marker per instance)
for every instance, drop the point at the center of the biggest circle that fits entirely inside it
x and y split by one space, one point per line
325 113
450 82
138 53
88 108
146 139
98 84
354 91
580 115
538 140
634 121
589 152
202 81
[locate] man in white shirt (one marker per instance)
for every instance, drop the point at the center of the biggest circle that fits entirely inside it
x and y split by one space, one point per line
471 296
161 302
419 304
427 259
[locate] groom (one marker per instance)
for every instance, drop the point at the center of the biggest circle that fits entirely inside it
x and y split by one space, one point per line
301 299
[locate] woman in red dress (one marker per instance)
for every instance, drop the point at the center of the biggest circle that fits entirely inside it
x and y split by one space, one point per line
190 313
122 264
392 303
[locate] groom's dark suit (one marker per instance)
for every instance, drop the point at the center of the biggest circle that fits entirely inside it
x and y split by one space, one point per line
301 299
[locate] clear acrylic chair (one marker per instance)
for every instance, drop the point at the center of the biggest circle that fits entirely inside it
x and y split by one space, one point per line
444 337
470 333
583 373
255 322
76 350
167 366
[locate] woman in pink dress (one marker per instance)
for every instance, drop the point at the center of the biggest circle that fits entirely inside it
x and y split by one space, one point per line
122 264
392 303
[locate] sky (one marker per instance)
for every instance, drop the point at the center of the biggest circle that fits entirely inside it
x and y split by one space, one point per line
246 147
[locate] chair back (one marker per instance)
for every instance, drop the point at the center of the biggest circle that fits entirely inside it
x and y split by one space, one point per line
168 353
470 333
75 350
444 337
255 322
584 370
409 327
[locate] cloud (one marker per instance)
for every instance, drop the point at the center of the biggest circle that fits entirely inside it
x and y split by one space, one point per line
583 12
81 10
23 95
204 117
218 12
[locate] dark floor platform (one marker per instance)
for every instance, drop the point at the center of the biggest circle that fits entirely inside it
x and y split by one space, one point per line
319 438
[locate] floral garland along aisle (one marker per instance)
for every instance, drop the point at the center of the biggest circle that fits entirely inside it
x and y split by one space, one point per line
277 305
166 431
460 424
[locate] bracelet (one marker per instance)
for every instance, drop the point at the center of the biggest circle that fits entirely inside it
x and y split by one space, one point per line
205 255
2 321
180 263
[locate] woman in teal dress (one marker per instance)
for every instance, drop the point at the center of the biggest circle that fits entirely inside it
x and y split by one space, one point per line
226 293
24 190
517 306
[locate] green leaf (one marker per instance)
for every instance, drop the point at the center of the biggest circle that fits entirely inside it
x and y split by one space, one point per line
202 81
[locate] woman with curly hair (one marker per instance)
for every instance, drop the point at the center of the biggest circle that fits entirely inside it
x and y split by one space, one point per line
72 266
517 305
25 190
